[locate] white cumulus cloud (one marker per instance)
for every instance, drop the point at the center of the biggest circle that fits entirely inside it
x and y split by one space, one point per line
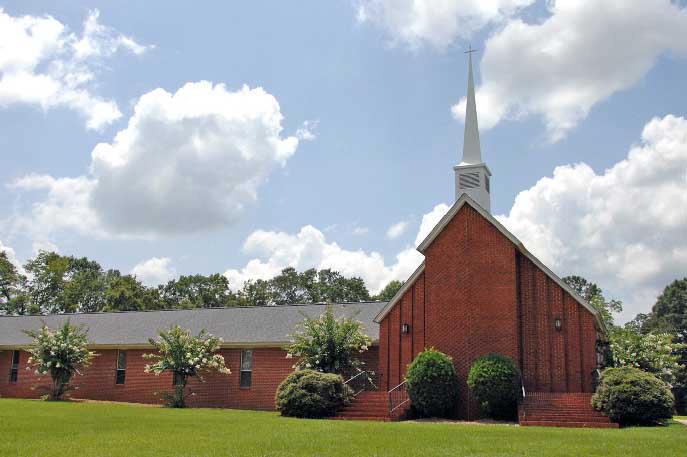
186 162
581 54
437 23
309 248
11 255
396 230
154 271
625 228
42 63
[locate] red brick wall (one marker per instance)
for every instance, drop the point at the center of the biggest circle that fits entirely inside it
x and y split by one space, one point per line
478 295
554 361
397 350
270 367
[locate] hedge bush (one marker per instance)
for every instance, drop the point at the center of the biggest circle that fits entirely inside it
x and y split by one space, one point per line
631 396
311 394
432 384
494 380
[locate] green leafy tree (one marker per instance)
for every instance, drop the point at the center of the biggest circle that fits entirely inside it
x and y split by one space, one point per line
593 294
256 293
60 353
48 275
13 299
669 313
389 291
198 291
328 344
126 293
310 286
64 284
332 287
653 353
186 356
84 288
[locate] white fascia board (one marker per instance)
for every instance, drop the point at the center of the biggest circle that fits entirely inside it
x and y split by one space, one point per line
465 199
406 285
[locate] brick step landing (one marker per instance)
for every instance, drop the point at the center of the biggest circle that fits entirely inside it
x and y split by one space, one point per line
367 406
561 410
568 424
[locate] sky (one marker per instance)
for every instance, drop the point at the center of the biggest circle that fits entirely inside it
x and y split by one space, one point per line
243 137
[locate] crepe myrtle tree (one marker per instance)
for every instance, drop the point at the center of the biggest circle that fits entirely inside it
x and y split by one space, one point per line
60 353
328 344
655 353
185 356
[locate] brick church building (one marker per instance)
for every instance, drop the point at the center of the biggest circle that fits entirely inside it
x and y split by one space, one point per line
478 290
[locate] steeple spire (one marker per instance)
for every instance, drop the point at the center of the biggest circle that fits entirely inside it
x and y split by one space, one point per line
472 153
472 174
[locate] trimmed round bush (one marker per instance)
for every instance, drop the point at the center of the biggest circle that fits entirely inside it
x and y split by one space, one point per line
432 384
494 380
311 394
631 396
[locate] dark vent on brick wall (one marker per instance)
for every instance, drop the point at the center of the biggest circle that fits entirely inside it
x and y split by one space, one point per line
468 180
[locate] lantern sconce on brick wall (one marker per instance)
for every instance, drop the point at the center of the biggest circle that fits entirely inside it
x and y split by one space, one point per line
405 328
558 325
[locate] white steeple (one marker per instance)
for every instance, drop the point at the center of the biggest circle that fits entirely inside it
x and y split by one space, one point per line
472 175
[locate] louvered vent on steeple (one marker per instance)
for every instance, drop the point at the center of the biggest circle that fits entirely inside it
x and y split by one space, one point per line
472 174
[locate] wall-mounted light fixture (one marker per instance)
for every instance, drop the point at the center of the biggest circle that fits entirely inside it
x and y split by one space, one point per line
558 325
405 328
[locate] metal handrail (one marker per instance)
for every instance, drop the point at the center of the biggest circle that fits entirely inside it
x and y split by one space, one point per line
524 395
401 392
366 379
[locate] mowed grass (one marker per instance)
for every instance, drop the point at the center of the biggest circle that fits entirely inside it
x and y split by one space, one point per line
34 428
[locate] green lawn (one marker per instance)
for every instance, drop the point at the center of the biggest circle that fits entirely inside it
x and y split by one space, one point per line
33 428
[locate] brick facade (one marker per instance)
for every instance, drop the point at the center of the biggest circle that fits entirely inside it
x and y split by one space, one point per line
270 367
478 294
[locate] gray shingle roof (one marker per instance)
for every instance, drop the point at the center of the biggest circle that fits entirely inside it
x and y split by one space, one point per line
265 325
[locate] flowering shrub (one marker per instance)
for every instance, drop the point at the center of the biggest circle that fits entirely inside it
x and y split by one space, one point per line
185 356
655 353
328 344
61 354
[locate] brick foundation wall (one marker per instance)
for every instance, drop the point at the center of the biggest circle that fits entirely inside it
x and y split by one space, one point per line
270 367
478 295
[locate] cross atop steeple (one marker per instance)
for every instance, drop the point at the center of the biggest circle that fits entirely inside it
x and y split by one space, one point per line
472 174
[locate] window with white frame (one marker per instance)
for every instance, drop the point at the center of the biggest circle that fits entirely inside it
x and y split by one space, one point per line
120 376
246 375
14 368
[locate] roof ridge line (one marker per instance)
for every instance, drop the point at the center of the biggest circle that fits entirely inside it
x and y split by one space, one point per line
214 308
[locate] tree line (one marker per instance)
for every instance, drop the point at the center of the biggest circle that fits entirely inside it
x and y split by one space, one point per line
655 342
52 283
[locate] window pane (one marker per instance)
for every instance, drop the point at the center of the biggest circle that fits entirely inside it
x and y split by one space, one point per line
121 360
14 373
121 377
246 360
246 379
177 379
15 358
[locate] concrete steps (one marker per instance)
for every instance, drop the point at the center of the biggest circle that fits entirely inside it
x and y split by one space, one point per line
562 409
